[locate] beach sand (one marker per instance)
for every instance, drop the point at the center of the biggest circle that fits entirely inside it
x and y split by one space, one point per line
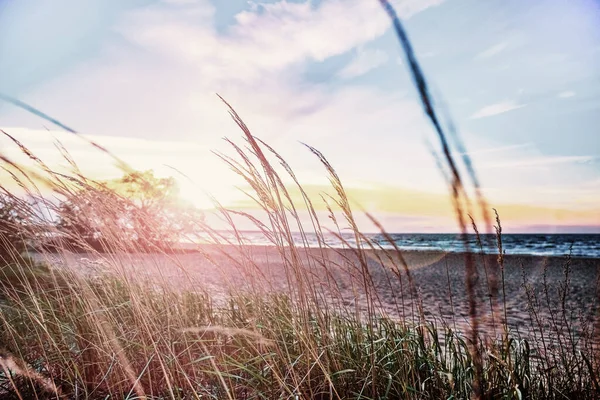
530 291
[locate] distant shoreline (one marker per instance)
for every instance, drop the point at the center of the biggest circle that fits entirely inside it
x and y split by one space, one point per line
541 245
200 248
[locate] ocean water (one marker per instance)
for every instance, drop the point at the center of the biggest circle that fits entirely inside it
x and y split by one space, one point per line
577 245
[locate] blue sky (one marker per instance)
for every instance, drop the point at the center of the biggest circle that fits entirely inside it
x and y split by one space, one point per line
520 78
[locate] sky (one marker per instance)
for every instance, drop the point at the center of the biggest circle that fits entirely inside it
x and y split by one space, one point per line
520 79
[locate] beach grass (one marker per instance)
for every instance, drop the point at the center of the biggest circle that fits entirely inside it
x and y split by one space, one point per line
92 340
67 333
72 337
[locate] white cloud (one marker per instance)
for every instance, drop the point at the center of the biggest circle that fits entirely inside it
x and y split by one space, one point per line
496 109
523 173
280 35
566 94
407 8
427 54
161 85
493 50
498 149
363 62
164 79
542 161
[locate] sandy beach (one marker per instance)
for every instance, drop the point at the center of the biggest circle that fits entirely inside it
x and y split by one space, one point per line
530 292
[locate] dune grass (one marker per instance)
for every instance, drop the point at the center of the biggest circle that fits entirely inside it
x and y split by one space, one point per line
66 334
91 340
71 337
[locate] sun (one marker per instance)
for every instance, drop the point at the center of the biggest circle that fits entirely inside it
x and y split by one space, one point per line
203 192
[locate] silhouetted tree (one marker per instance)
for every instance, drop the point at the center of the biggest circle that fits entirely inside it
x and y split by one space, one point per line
13 225
137 210
88 215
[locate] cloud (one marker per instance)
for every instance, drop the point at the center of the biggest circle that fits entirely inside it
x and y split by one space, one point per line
541 161
266 38
493 50
526 175
363 62
163 69
159 76
496 109
158 81
566 94
497 149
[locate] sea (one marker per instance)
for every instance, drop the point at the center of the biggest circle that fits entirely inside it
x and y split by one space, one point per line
562 245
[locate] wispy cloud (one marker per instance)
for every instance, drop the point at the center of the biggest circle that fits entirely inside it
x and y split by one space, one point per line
566 94
427 54
496 109
542 161
160 74
363 62
261 38
493 50
498 149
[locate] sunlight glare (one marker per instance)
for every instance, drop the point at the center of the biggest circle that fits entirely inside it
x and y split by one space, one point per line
198 190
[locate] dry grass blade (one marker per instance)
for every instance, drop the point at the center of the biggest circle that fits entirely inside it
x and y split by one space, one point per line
458 190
